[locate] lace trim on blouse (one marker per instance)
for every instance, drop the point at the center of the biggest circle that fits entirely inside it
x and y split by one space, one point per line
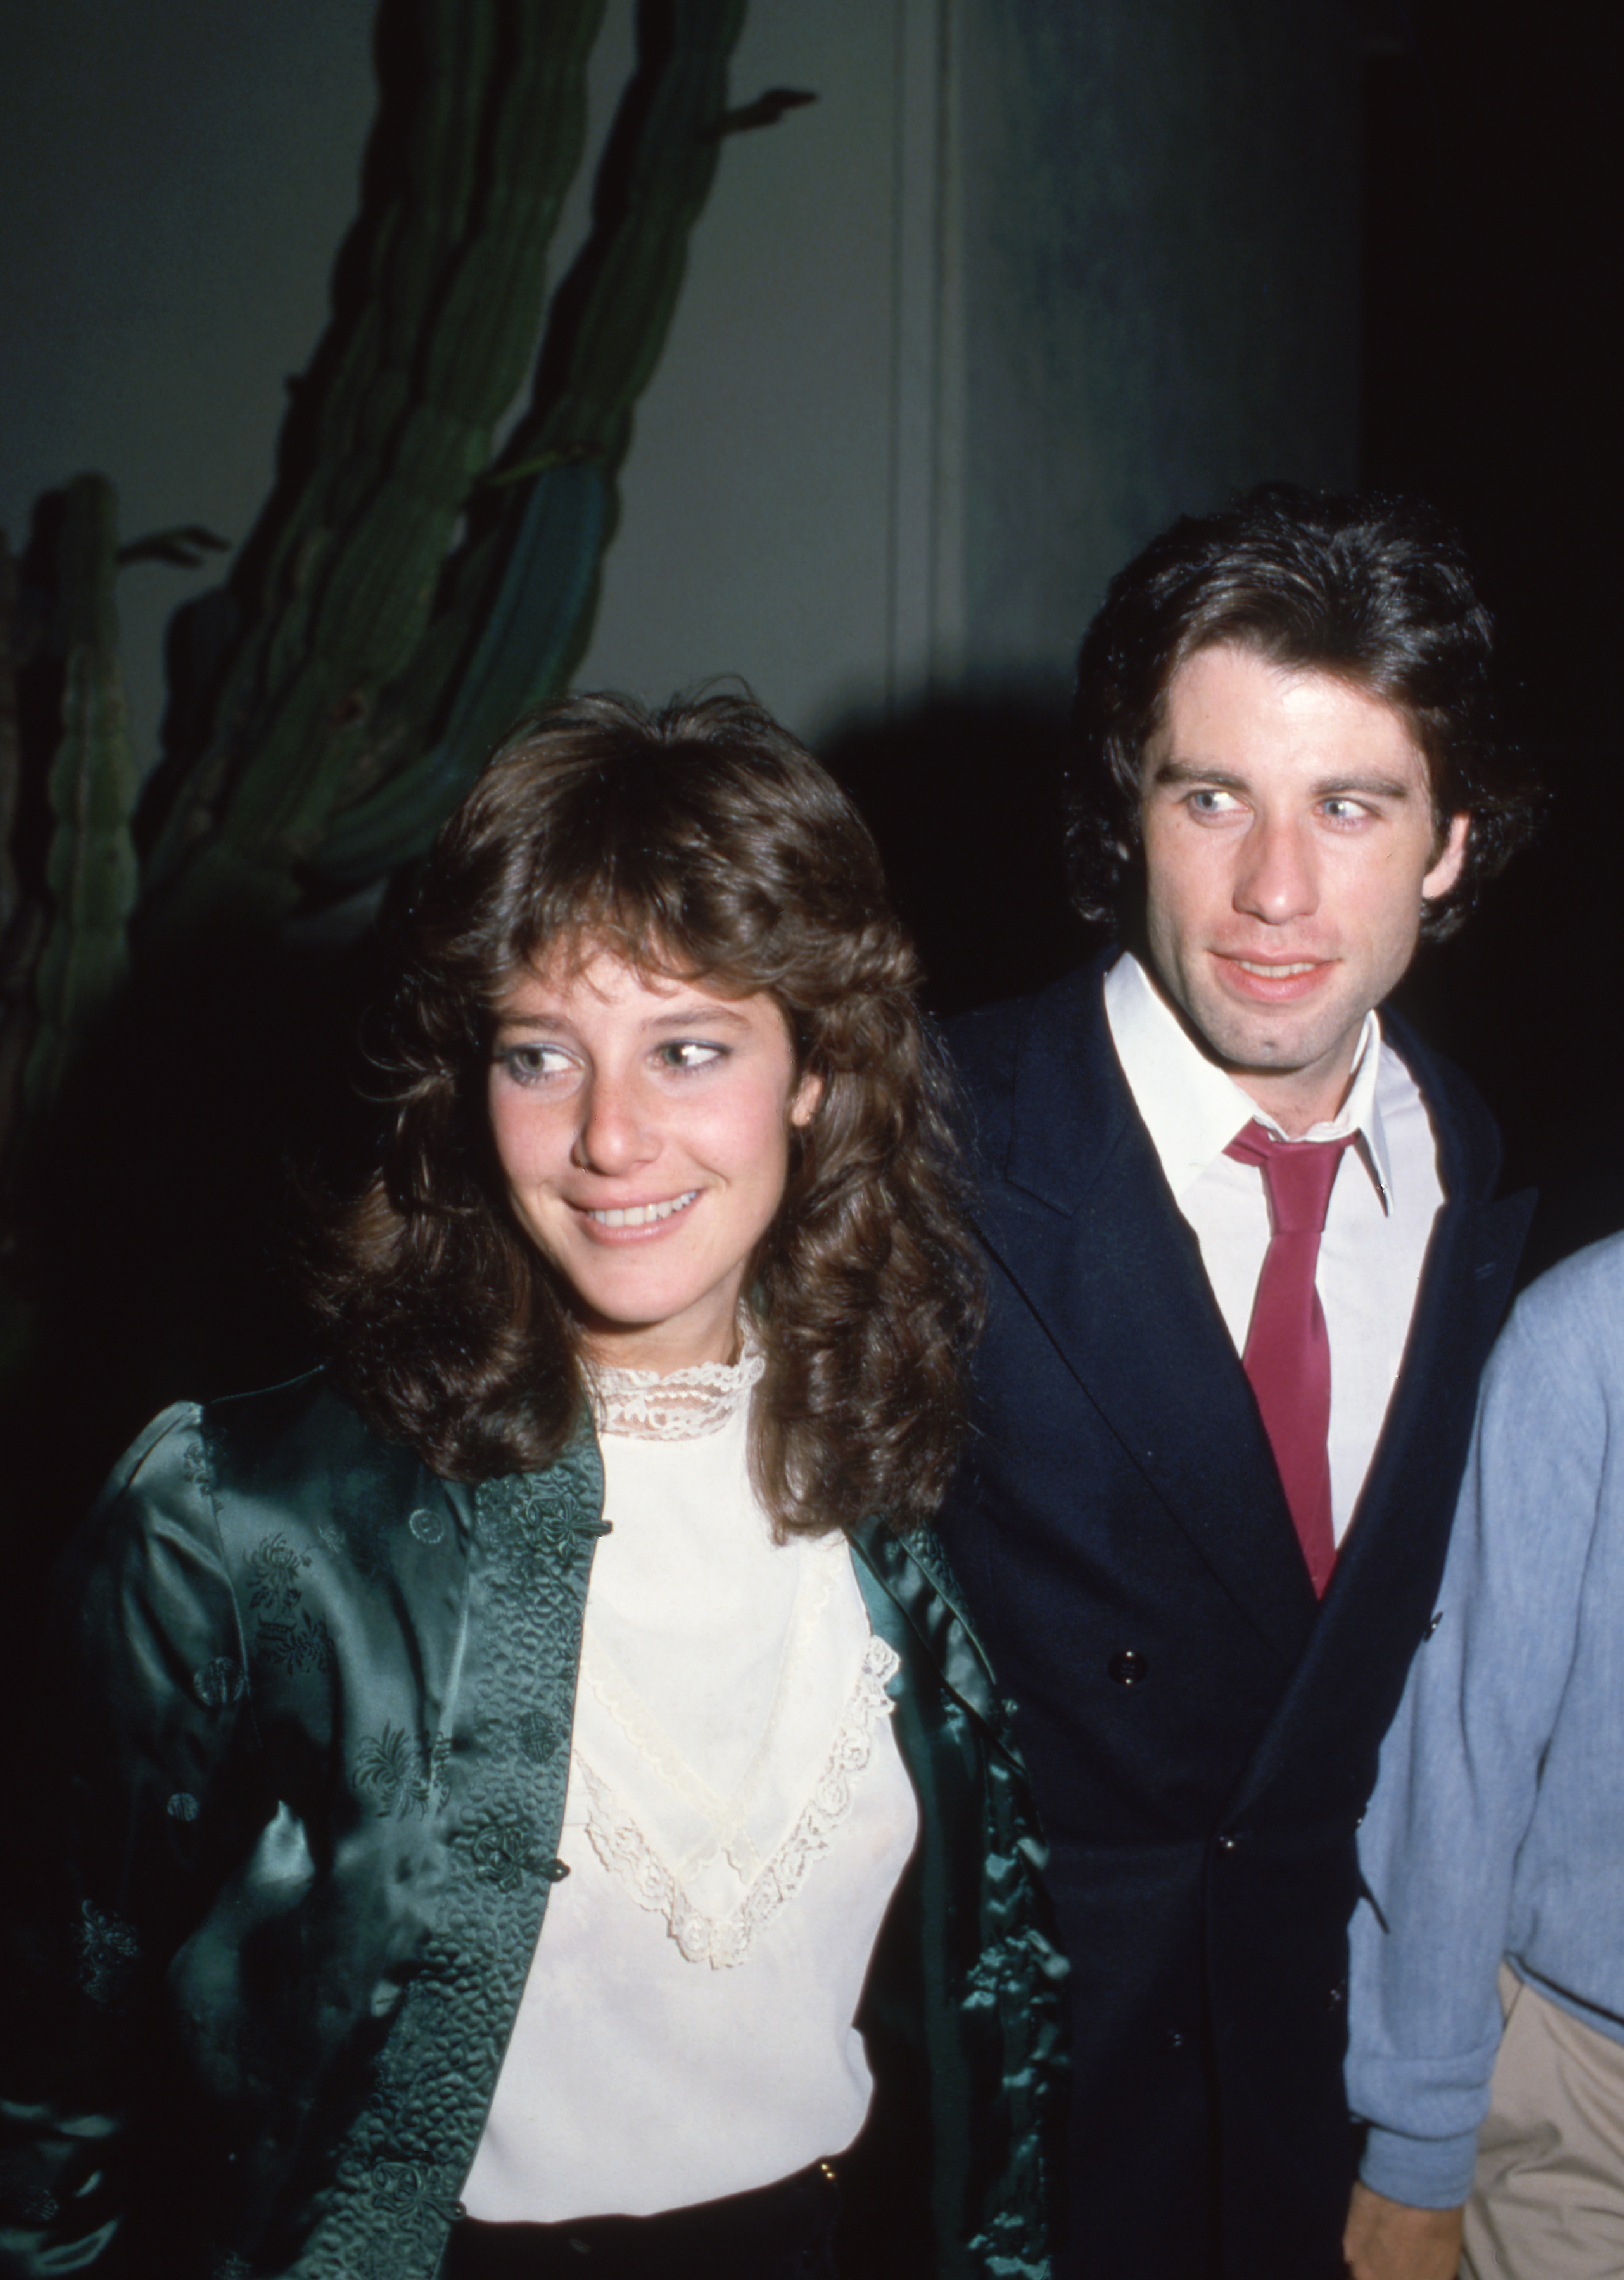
724 1941
683 1406
728 1817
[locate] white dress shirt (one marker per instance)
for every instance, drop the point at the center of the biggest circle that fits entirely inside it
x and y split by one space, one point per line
738 1816
1385 1198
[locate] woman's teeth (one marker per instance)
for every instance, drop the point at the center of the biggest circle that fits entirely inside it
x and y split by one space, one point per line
643 1214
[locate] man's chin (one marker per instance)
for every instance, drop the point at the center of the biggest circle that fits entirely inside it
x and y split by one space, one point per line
1269 1051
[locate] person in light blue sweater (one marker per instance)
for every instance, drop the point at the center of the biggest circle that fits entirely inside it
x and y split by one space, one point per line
1486 1998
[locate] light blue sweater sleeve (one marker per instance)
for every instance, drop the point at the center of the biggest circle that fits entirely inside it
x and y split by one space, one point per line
1497 1827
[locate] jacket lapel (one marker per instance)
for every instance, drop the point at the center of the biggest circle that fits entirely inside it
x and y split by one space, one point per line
1083 1223
500 1805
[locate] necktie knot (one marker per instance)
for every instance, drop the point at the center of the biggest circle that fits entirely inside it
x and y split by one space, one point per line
1298 1174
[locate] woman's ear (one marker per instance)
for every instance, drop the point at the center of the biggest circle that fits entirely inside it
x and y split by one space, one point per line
804 1104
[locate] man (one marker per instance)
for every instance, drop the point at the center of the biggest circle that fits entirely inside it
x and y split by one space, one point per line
1494 1848
1204 1520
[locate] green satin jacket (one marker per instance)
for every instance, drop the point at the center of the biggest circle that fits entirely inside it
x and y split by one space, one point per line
296 1796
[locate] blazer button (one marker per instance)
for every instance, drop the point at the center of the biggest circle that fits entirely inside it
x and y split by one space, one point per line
1129 1667
1230 1841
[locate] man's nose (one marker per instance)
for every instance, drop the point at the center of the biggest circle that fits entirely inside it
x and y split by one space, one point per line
1278 878
614 1132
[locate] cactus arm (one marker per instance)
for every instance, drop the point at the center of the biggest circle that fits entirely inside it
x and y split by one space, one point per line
612 315
352 558
522 652
92 788
520 599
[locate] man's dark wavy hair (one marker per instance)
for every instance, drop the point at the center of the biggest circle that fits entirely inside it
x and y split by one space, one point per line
701 841
1376 591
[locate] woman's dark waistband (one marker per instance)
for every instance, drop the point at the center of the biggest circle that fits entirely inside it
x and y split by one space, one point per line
780 2231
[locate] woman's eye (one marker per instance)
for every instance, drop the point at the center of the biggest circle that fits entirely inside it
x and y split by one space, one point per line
529 1064
687 1053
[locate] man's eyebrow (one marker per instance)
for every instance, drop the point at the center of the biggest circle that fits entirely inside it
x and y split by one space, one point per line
1185 772
1174 773
1364 787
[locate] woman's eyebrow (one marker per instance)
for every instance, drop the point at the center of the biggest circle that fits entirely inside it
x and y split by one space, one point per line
708 1015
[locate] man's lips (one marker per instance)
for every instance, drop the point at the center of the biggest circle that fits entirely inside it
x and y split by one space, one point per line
1271 981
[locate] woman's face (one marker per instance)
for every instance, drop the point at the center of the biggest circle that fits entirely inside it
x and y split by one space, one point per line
644 1128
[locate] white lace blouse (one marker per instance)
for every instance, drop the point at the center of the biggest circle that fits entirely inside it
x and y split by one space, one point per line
737 1820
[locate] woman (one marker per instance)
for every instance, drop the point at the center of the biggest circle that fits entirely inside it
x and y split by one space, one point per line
492 1765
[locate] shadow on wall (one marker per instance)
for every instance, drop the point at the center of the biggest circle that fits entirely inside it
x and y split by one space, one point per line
964 799
1525 998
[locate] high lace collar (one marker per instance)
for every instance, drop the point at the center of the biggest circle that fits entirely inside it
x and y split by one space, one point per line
685 1405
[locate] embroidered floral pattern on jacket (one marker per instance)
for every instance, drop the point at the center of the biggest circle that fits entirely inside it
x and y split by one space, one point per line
302 1643
273 1567
538 1735
544 1524
108 1953
501 1851
405 1772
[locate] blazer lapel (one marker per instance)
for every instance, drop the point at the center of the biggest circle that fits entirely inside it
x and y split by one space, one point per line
1085 1226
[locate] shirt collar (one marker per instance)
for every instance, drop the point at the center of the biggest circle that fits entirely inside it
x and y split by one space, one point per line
1192 1109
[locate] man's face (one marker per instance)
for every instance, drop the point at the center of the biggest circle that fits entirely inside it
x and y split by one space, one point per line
1288 844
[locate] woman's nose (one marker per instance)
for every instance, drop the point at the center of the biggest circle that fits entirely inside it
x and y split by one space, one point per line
614 1134
1278 876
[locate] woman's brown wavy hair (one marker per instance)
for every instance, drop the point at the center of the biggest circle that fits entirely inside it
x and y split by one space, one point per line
701 841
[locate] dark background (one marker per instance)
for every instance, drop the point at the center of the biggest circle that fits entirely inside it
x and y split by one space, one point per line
1490 299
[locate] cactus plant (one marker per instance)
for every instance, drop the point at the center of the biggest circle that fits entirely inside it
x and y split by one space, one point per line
92 785
329 699
404 592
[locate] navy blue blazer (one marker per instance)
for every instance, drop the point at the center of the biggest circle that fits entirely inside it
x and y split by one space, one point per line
1202 1733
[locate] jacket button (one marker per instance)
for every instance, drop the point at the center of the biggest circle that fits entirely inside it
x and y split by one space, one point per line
1129 1667
1338 1995
1229 1842
1432 1625
555 1871
1173 2039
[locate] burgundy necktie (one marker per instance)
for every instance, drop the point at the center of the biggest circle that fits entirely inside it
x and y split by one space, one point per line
1288 1356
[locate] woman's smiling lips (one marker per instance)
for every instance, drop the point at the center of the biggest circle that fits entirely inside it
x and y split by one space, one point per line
635 1218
